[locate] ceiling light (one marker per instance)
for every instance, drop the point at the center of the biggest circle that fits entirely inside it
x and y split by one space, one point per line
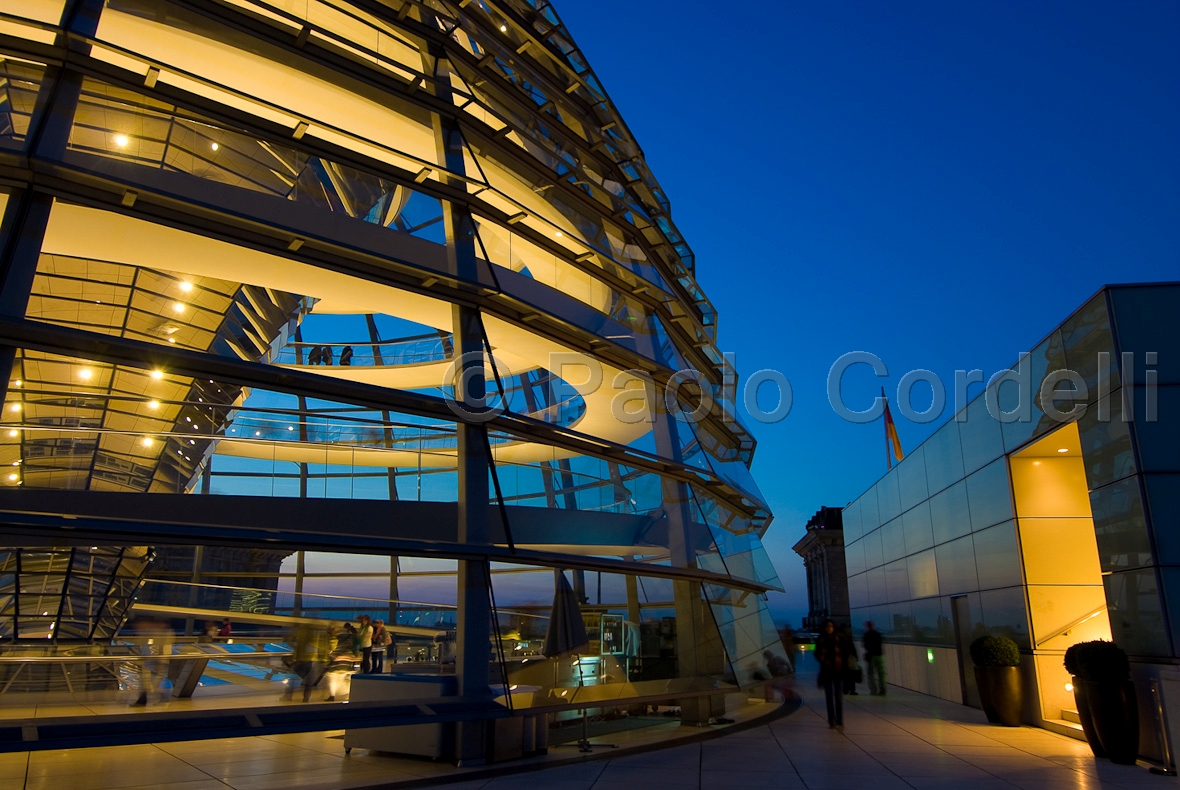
190 441
121 140
147 441
503 28
214 146
1063 450
172 340
14 407
177 307
14 432
16 383
186 286
558 234
13 476
84 373
153 404
157 374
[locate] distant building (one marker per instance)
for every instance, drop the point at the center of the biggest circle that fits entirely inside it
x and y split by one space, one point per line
822 550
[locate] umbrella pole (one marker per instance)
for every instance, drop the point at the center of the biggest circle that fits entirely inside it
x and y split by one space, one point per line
584 745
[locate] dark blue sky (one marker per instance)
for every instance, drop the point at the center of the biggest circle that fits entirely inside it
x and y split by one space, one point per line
938 183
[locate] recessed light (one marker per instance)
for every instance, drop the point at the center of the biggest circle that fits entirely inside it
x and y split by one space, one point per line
1063 450
84 373
16 383
14 407
147 441
558 234
1036 463
14 432
172 340
14 476
121 140
177 307
214 146
503 28
186 285
157 374
153 404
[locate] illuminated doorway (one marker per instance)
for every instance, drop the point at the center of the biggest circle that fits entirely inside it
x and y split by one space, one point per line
1066 599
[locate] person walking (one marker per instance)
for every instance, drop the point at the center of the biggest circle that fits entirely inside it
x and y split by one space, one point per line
853 673
365 638
830 653
875 658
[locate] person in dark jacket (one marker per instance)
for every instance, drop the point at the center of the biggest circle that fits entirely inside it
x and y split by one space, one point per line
831 653
346 355
875 658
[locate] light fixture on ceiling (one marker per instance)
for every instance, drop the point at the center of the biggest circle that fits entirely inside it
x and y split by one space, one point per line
153 404
16 383
157 374
177 307
85 373
186 286
147 441
1063 450
14 476
503 28
14 407
14 432
214 146
559 234
121 140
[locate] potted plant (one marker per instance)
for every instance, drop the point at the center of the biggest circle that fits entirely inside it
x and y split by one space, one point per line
997 674
1105 697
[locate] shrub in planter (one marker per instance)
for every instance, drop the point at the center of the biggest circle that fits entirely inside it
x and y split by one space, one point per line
1105 698
997 674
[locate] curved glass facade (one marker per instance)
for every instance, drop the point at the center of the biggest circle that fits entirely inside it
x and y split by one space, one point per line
399 261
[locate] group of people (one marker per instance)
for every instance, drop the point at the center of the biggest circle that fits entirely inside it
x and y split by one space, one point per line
318 654
840 669
322 355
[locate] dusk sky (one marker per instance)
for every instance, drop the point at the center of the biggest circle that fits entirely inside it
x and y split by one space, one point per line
938 183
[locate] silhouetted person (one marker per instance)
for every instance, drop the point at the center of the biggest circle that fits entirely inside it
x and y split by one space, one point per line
315 356
346 355
853 674
226 630
875 658
365 638
830 653
326 355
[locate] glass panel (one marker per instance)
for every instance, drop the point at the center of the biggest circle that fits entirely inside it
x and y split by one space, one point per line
1106 445
980 436
855 556
20 80
852 524
888 496
911 479
870 517
989 495
1146 317
1135 611
1045 358
1005 614
949 513
997 556
875 581
897 581
858 590
919 533
1085 335
892 540
873 553
1123 518
930 624
923 571
956 566
944 457
1159 439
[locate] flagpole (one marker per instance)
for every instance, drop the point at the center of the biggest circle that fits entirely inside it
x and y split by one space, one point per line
885 425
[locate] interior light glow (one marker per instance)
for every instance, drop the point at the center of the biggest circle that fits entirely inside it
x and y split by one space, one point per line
153 404
16 383
84 373
172 340
186 286
157 374
1063 450
214 146
177 307
147 441
1036 463
559 234
503 28
14 432
14 407
1069 687
929 656
13 476
121 140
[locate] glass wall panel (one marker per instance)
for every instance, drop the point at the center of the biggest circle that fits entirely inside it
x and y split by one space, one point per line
931 625
1163 497
944 458
1085 335
997 556
875 581
911 479
980 436
854 556
1143 317
897 581
858 590
923 572
874 555
870 516
1005 614
1045 358
852 522
1159 438
1121 526
888 497
1136 615
989 495
1106 444
956 566
950 514
20 80
892 540
919 534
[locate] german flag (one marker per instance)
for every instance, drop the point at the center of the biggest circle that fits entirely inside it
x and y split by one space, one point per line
892 440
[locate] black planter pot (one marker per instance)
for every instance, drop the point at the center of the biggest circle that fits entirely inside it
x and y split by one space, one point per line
1081 698
1001 694
1115 713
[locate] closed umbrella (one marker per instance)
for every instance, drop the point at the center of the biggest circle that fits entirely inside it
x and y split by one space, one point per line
567 631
